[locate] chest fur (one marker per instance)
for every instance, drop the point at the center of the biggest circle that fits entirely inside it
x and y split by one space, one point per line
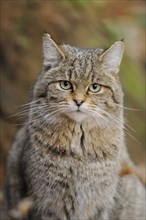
77 166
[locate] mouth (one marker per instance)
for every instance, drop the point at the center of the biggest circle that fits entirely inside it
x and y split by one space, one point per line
79 111
77 115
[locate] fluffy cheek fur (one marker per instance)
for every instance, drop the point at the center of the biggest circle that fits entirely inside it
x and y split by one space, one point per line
104 108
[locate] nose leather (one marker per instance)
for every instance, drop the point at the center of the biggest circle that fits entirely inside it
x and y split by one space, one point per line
78 102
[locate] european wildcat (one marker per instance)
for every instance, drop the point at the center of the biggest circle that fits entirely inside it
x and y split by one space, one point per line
69 155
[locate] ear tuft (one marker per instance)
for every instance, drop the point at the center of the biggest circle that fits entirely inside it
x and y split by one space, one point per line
112 57
52 53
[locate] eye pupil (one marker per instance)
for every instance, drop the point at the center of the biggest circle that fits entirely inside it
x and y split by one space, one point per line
66 83
94 86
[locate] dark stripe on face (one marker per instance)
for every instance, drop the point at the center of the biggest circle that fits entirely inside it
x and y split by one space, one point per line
43 95
113 96
48 67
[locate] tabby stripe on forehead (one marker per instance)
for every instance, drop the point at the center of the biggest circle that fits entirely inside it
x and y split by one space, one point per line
91 75
70 74
71 70
88 68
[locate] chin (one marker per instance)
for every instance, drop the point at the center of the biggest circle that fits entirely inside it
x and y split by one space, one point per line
77 116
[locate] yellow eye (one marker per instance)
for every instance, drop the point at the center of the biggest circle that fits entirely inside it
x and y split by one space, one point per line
94 88
65 85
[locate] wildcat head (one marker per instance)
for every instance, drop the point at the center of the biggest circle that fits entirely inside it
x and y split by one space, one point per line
79 83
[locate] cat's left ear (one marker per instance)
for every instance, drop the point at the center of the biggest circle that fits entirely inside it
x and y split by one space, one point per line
52 52
111 58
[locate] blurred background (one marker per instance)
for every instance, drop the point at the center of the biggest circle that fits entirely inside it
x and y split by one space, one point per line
82 23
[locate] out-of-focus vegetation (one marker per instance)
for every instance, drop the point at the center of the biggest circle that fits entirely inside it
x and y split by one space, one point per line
83 23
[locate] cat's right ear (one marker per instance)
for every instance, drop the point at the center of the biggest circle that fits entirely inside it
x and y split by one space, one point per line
51 51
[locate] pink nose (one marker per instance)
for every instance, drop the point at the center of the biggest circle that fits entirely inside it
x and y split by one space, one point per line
78 102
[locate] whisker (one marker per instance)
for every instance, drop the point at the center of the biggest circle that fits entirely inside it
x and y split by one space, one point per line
33 109
130 135
114 118
99 115
131 109
28 104
117 119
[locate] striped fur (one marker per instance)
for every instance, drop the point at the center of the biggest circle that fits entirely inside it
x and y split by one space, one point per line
70 157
